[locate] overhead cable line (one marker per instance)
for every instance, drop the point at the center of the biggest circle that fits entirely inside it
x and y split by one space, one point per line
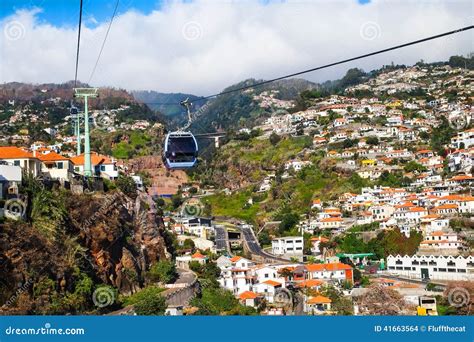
419 41
105 39
78 43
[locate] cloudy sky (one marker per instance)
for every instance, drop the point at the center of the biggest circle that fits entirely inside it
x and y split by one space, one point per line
202 46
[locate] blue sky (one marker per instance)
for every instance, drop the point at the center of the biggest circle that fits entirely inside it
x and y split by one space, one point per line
203 46
65 12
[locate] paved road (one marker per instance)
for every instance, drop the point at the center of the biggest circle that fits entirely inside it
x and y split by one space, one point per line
222 239
254 246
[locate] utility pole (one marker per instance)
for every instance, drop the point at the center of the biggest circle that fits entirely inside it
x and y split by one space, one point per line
77 132
86 93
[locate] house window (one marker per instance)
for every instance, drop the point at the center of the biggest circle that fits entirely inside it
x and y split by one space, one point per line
451 263
399 262
60 165
16 162
441 270
76 168
461 270
415 262
102 168
451 270
407 268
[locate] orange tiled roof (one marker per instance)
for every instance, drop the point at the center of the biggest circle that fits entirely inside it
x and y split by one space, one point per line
319 300
272 283
51 156
248 295
12 152
311 283
446 206
96 159
332 219
198 255
235 258
319 238
336 266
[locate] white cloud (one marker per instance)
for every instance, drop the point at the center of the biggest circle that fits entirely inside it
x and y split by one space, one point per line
204 46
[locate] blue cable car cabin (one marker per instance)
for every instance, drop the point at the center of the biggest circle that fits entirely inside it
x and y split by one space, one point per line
181 150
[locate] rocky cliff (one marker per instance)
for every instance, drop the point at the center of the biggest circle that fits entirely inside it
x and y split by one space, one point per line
104 239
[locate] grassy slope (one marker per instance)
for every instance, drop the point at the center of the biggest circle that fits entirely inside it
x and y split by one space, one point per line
296 192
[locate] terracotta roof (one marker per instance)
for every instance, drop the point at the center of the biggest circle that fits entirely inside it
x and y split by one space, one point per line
446 206
332 219
198 255
248 295
272 283
311 283
319 238
235 258
336 266
96 159
319 300
12 152
51 156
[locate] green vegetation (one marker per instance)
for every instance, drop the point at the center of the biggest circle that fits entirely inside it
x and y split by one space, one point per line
148 301
163 271
386 243
217 301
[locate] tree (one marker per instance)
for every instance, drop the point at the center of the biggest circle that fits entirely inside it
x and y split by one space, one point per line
152 306
264 239
148 301
127 185
160 202
274 138
189 244
218 301
163 271
288 221
372 140
413 166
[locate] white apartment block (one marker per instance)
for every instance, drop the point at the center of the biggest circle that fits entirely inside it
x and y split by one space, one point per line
289 245
432 267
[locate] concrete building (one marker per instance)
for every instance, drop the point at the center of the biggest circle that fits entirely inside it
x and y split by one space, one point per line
432 267
288 245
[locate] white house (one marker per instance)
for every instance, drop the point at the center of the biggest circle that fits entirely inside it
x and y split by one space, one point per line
18 157
56 166
102 166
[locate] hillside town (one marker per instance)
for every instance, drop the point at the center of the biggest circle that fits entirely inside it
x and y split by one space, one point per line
404 135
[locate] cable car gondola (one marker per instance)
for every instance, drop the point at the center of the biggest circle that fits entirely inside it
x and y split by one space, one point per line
73 111
180 150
